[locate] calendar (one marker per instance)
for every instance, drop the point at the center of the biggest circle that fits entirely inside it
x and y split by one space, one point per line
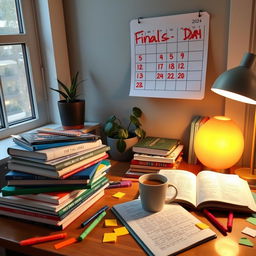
169 56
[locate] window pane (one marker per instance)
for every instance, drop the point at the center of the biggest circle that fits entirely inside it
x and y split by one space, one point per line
9 23
15 86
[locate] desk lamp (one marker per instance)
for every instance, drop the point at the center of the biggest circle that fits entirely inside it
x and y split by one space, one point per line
239 84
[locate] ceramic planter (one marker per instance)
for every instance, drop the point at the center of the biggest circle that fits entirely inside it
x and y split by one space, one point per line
72 114
125 156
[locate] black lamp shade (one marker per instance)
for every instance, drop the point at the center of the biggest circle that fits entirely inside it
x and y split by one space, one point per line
239 83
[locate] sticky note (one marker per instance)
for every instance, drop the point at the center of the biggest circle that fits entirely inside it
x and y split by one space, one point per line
245 241
109 237
110 223
121 231
201 225
251 220
249 231
119 195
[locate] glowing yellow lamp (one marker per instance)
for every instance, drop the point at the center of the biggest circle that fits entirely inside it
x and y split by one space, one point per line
219 143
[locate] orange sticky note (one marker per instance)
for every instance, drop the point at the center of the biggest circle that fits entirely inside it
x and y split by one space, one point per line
110 222
119 195
69 241
121 231
201 225
109 237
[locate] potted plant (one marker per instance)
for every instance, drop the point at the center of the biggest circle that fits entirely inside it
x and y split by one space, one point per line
71 109
121 138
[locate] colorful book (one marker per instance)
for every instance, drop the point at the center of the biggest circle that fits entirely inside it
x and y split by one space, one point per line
151 164
35 138
82 177
62 162
63 173
59 224
156 146
52 153
171 158
18 190
173 219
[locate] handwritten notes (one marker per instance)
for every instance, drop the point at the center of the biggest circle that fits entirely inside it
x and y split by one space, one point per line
169 56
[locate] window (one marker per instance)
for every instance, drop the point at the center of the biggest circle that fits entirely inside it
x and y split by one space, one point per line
22 97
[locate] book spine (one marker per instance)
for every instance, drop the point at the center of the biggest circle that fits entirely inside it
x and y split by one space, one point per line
8 191
101 182
70 173
81 158
28 213
149 163
54 153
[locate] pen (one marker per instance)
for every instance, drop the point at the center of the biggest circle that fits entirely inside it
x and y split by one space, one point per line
94 216
215 222
230 221
91 227
35 240
121 184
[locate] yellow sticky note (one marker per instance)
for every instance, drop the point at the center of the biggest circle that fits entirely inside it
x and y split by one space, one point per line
109 237
110 223
201 225
121 231
119 195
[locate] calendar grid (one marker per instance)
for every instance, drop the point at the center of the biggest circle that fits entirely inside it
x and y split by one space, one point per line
169 58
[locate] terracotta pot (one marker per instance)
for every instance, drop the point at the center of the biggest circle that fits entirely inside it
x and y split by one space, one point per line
125 156
72 114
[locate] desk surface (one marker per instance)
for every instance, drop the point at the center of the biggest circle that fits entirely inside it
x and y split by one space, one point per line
14 230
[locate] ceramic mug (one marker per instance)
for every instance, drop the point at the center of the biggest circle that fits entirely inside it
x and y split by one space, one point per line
153 188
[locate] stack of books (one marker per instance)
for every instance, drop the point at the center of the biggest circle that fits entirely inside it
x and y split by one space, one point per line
152 154
54 178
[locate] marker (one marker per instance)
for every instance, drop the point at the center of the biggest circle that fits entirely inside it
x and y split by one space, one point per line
91 227
215 222
230 221
94 216
67 242
120 184
35 240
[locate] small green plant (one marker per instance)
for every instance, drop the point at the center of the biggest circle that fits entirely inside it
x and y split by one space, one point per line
113 128
70 93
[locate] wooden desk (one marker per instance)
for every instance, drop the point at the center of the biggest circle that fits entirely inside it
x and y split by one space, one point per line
14 230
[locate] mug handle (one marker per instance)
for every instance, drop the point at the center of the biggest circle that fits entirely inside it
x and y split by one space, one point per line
169 200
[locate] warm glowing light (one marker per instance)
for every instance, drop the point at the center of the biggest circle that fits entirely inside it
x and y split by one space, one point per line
226 247
219 143
234 96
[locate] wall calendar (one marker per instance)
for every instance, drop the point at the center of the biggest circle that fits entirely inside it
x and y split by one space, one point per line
169 56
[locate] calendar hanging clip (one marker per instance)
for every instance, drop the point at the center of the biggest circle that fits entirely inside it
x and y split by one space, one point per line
199 13
139 19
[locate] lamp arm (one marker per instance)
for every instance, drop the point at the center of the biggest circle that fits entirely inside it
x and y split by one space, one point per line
252 162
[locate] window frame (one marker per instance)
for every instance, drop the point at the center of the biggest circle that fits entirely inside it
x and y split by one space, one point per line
30 39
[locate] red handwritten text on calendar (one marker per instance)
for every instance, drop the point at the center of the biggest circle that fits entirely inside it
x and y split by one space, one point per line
169 56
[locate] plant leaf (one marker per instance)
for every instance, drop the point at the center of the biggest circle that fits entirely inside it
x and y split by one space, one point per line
135 120
121 145
111 118
137 111
140 132
60 92
108 127
123 133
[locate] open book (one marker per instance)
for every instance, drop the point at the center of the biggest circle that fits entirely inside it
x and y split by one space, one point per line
211 190
167 232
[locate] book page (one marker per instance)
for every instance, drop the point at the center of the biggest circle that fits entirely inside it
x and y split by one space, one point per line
163 233
185 183
226 188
